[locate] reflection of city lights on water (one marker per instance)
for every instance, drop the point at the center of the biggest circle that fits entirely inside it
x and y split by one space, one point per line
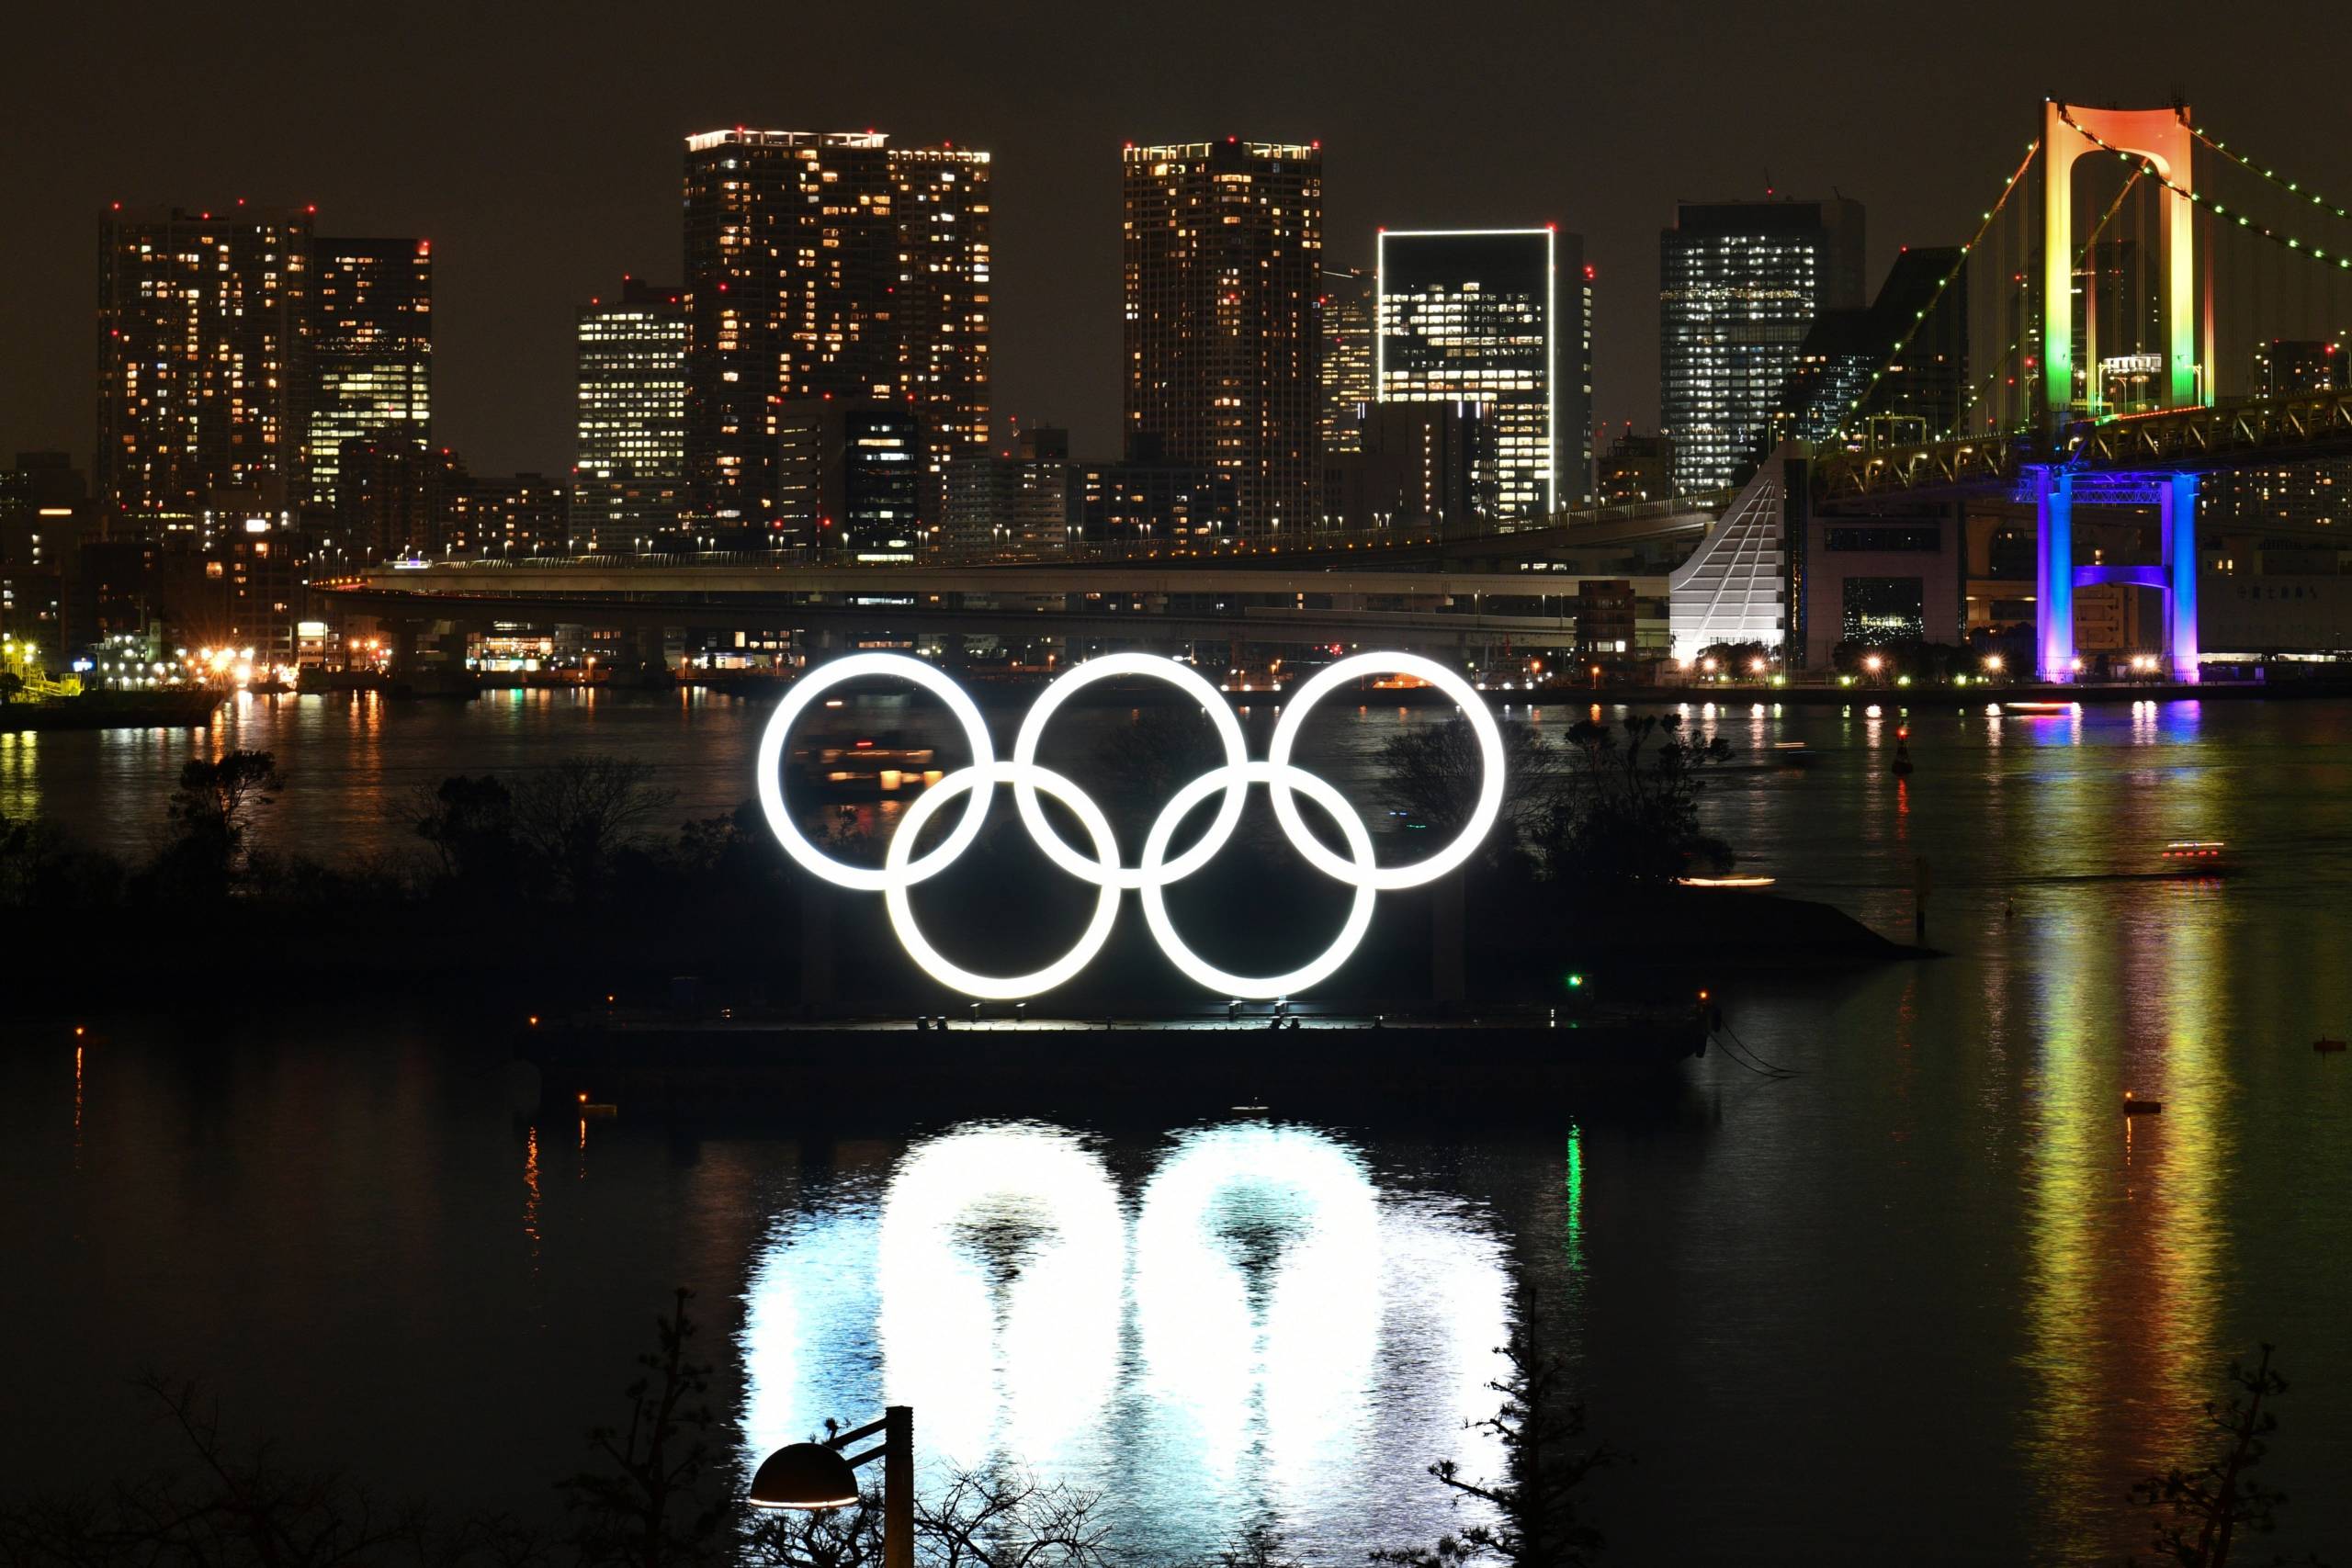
1282 1334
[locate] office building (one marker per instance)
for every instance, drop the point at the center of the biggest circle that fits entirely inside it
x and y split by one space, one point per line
511 515
1223 265
200 385
829 264
1634 469
1740 285
1475 315
242 587
1145 501
392 502
1016 500
1850 382
368 354
628 473
1350 306
849 475
2286 367
1419 465
44 510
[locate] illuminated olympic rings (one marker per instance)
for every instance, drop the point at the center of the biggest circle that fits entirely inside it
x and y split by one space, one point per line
902 868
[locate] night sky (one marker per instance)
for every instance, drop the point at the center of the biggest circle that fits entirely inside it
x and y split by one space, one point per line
538 148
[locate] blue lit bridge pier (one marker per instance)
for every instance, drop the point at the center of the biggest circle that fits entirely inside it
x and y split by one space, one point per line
2055 491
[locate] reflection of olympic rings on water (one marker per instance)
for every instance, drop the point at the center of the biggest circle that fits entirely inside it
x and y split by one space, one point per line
1155 871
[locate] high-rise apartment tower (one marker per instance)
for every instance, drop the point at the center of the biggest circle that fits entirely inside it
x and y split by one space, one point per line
829 264
1223 261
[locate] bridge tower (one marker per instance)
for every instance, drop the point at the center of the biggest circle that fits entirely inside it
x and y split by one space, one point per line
2055 489
2163 137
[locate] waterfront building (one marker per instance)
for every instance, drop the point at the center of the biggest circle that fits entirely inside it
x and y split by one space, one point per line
393 500
1016 500
1419 465
2286 368
628 472
200 326
368 353
44 511
512 514
1475 315
849 475
1222 260
1740 284
2279 513
829 264
1147 498
243 588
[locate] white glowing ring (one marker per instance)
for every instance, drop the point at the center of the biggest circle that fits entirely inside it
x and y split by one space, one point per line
1185 679
1490 780
816 683
902 868
1280 777
901 874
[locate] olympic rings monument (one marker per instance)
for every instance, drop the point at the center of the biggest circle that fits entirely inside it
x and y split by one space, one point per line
1447 1058
1154 872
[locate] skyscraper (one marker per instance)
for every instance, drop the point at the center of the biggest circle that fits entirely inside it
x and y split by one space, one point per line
367 351
944 292
629 475
1476 315
1224 252
201 383
829 264
1350 305
1740 285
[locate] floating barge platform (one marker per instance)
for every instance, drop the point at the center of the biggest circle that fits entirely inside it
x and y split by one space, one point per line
1320 1063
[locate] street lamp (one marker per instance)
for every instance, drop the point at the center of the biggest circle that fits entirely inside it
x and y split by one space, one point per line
816 1478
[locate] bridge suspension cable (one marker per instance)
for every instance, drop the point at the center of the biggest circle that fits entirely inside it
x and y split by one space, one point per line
1919 318
2292 188
2244 221
2082 260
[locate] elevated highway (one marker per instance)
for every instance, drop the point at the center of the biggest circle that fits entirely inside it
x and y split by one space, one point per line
1489 589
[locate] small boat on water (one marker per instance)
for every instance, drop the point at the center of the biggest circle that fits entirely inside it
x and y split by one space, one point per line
2195 857
870 765
2037 707
2327 1045
190 708
2134 1106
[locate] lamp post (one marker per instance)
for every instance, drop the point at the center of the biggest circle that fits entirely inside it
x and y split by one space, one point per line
816 1478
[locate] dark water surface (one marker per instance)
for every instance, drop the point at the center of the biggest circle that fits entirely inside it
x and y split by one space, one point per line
1935 1300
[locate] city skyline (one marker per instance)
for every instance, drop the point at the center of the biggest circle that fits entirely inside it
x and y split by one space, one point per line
515 258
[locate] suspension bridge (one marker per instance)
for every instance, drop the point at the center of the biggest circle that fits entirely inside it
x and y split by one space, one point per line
2140 306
